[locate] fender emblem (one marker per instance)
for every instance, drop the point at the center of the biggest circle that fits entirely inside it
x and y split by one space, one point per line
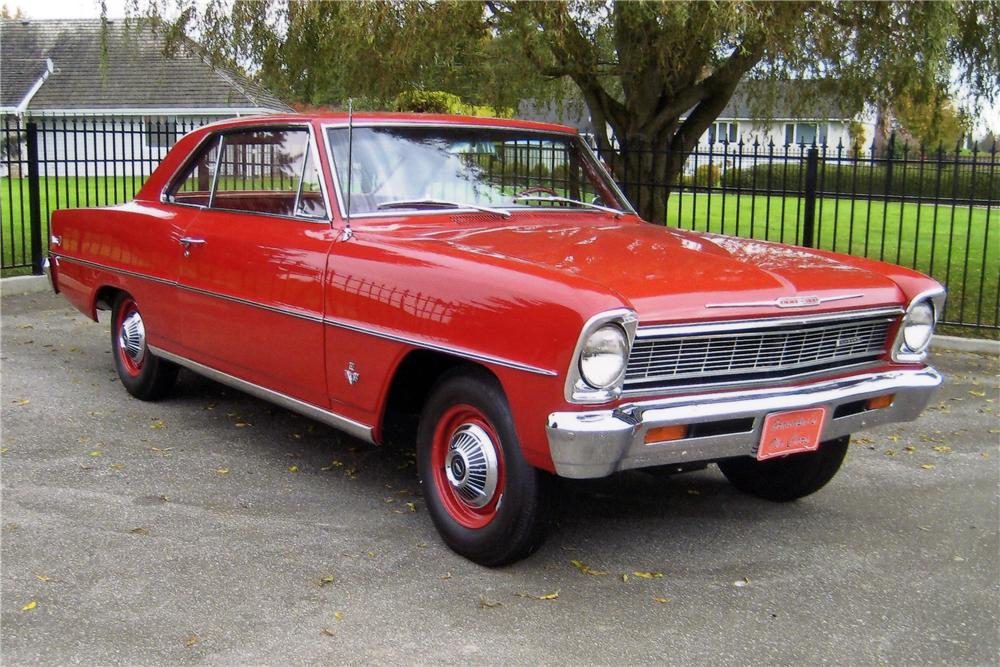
785 302
352 375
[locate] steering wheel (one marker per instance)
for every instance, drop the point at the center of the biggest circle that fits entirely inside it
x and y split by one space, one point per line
536 190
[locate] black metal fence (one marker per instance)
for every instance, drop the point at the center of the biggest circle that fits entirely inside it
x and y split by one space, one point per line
936 211
933 210
51 163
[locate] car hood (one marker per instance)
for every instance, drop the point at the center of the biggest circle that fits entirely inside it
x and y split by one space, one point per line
668 274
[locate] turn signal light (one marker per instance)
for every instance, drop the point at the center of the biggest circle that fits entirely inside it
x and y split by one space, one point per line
666 433
881 401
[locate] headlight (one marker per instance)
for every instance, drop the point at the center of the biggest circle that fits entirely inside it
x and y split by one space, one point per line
918 326
603 357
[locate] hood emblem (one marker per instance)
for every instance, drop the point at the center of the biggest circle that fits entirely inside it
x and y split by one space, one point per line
809 301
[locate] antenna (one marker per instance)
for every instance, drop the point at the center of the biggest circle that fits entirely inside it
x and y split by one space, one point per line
350 169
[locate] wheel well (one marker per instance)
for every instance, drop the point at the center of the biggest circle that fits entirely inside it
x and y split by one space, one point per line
412 383
105 298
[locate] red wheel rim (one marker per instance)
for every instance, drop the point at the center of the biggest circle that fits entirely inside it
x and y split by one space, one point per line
465 432
130 337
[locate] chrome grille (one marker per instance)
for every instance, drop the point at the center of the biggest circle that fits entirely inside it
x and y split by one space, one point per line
757 351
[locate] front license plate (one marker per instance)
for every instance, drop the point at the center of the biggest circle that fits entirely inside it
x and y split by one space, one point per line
791 432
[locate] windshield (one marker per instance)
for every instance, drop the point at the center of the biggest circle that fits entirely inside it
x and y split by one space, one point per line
421 167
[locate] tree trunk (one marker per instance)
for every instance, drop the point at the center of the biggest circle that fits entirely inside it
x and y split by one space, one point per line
646 170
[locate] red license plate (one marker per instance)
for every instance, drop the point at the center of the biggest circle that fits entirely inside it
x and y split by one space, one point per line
791 433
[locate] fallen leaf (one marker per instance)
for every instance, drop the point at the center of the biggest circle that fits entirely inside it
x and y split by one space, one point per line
411 506
327 631
139 531
117 466
486 603
95 452
944 449
333 464
957 559
445 576
978 394
421 545
23 401
890 452
910 449
927 466
28 607
649 575
222 471
293 468
661 600
165 499
587 569
338 615
371 554
624 577
242 424
4 450
328 579
157 424
42 577
740 583
693 492
191 641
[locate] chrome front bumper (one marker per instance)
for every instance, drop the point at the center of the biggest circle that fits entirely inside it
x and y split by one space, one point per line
597 443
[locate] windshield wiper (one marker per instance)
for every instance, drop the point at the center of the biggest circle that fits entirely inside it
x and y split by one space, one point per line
441 203
567 200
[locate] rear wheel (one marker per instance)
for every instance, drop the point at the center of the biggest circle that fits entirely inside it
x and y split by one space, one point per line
486 501
790 477
143 374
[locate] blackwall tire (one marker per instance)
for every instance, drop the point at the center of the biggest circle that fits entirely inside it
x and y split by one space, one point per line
790 477
144 375
486 501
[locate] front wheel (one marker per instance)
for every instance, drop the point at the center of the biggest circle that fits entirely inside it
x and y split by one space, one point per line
790 477
486 501
144 375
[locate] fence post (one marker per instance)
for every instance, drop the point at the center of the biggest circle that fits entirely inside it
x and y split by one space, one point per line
809 209
34 200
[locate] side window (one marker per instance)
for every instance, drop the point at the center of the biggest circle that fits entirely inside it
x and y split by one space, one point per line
268 171
195 185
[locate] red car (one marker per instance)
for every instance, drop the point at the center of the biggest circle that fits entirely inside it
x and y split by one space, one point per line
488 278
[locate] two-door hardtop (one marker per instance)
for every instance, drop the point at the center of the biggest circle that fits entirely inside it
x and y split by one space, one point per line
488 277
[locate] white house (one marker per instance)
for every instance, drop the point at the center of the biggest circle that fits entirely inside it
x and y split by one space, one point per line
789 114
107 100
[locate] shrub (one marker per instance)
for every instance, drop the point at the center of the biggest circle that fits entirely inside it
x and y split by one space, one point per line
439 101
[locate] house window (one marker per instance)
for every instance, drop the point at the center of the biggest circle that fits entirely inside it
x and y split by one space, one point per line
805 133
160 132
723 133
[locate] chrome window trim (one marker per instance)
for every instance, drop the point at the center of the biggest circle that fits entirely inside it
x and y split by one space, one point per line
936 296
329 321
340 422
342 210
758 323
222 132
576 390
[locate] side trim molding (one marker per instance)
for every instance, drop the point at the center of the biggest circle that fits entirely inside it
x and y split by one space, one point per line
458 352
349 426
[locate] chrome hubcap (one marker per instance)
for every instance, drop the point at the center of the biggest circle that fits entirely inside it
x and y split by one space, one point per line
471 465
132 337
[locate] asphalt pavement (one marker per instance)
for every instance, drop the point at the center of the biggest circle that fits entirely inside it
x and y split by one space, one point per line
214 528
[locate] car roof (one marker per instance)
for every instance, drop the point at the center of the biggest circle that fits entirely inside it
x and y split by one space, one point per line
367 117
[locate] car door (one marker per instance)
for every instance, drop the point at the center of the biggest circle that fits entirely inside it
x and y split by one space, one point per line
251 279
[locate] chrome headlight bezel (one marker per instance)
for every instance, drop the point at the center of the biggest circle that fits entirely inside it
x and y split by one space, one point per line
919 320
582 390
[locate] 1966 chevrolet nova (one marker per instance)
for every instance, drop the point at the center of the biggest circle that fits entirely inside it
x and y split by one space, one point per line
489 278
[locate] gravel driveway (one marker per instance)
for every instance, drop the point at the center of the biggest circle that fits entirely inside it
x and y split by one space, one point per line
215 528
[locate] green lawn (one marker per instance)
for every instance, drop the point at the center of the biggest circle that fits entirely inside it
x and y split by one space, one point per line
957 245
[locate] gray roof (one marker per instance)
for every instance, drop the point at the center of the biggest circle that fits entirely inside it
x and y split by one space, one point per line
133 74
800 99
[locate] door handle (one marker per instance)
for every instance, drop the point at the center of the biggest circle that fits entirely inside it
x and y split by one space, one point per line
187 242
